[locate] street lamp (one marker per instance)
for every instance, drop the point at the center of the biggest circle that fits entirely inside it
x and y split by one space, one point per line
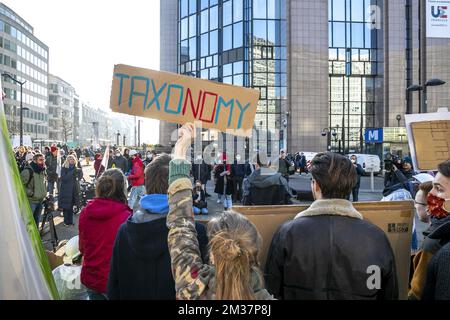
423 101
118 136
124 137
21 102
329 132
398 117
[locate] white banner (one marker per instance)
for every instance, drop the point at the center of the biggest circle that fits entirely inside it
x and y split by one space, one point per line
438 18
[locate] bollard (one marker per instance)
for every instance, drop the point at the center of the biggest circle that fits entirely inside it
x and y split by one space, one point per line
372 187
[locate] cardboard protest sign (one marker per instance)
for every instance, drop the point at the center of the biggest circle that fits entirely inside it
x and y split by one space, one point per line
429 138
180 99
394 218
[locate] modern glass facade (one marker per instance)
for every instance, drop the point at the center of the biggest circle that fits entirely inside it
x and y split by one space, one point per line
25 58
353 67
239 42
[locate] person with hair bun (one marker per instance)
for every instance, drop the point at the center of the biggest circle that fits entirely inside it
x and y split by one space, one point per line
234 242
99 222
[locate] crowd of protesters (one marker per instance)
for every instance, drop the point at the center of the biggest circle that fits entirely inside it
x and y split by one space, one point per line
138 239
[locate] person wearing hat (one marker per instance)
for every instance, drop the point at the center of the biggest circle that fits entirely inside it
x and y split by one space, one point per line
68 275
136 178
407 168
120 162
51 162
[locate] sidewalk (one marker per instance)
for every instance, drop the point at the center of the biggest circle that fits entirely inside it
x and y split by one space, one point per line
214 208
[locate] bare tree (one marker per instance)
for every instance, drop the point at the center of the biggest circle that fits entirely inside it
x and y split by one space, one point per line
67 126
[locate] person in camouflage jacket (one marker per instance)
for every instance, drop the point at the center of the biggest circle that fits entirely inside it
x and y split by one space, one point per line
234 241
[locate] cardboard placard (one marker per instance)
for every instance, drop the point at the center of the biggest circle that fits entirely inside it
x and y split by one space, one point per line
394 218
429 138
180 99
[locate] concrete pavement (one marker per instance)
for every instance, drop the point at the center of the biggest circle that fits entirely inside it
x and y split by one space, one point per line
296 182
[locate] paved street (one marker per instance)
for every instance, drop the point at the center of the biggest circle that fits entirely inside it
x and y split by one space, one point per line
297 182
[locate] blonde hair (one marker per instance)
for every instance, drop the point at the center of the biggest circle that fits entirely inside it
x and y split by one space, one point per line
67 164
234 245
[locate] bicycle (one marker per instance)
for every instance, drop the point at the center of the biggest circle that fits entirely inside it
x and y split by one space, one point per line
87 192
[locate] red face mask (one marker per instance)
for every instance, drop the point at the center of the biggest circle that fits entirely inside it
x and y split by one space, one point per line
436 206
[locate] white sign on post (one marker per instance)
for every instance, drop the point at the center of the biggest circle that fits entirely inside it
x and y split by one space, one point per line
438 18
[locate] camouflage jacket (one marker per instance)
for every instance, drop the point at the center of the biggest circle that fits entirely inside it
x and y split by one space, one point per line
193 279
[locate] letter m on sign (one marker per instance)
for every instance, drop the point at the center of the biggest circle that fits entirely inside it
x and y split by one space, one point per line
373 135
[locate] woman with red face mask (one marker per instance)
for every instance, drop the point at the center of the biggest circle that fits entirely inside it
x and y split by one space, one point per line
438 200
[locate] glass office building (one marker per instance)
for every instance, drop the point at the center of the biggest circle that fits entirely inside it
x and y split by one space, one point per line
25 58
239 42
353 67
333 66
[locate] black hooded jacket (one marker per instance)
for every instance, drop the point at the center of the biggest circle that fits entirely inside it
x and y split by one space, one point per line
140 264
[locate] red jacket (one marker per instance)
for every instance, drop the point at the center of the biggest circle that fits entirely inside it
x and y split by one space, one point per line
98 225
97 164
136 176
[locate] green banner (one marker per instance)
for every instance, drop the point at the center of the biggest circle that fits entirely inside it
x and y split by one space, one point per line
24 268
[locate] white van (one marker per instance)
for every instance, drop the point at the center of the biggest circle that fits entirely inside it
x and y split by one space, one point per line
369 162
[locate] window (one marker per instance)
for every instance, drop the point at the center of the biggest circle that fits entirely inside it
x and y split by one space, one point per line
357 35
339 10
213 42
204 45
338 34
204 4
271 31
184 28
259 29
193 25
213 18
273 11
227 38
183 8
238 67
228 69
237 35
259 9
192 49
227 13
213 73
204 21
192 6
357 11
238 10
369 34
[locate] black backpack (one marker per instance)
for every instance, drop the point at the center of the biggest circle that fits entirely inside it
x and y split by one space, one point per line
30 177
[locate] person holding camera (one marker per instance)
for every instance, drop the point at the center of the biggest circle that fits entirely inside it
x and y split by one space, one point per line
396 180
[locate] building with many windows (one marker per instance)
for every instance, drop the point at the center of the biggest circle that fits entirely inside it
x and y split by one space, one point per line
25 58
327 70
100 127
61 110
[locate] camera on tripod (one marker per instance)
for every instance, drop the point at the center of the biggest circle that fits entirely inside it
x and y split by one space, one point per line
49 208
49 203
